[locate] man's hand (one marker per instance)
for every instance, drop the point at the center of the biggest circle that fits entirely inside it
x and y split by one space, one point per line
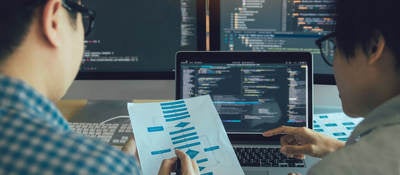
188 166
294 174
298 142
130 148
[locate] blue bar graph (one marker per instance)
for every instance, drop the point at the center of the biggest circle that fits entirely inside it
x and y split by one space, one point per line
160 151
185 140
181 131
330 124
184 135
173 107
188 145
350 128
232 121
182 124
173 103
211 149
177 118
192 153
342 139
202 160
323 116
155 129
176 114
348 124
175 110
339 134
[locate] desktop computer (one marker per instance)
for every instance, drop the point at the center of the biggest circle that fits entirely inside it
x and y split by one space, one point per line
273 25
131 41
137 40
133 57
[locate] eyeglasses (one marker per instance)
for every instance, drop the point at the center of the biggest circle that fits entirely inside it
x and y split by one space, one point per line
88 15
327 47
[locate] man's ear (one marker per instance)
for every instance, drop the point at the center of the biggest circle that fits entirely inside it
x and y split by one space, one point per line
376 49
51 21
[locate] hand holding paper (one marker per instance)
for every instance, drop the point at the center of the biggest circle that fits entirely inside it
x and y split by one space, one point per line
191 125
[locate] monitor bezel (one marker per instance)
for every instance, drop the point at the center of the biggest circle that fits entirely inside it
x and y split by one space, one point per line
226 56
215 41
153 75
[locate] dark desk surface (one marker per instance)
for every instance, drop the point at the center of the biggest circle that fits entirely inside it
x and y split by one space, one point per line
70 107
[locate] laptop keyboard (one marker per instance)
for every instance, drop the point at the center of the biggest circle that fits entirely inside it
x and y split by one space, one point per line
115 134
265 157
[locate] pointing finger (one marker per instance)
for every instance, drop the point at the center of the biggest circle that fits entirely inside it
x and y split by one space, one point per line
280 130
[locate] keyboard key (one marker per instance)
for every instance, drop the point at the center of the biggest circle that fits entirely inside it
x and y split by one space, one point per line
107 133
283 165
265 157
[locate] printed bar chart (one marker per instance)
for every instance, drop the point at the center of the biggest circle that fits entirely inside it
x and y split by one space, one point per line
164 127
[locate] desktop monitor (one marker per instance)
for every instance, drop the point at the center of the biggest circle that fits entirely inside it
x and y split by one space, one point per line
273 25
137 40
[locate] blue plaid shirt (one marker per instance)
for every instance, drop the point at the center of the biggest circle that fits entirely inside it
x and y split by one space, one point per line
36 139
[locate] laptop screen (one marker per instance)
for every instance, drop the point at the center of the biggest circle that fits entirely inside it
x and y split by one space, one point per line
252 92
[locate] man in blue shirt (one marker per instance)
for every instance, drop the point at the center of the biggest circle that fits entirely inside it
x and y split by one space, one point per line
41 47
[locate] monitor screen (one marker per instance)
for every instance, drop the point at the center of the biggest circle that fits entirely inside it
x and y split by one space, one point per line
250 93
135 39
274 25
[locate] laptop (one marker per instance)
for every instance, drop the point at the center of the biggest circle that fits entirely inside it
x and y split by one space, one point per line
253 92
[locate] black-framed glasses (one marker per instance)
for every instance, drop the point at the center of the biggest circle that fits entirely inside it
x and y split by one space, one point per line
327 47
88 15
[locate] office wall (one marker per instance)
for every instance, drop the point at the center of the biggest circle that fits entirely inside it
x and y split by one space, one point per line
121 89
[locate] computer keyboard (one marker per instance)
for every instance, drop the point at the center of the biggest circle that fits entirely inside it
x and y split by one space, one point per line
265 157
116 134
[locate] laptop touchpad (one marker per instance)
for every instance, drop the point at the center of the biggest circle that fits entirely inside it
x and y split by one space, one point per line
257 172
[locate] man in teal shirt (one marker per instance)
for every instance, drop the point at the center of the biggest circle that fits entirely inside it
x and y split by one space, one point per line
366 62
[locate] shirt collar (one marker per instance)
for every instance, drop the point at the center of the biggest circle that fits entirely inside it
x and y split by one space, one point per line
386 114
17 95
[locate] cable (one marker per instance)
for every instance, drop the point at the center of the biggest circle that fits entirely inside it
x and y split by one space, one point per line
117 117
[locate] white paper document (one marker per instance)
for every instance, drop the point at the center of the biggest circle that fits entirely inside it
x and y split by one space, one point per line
337 125
191 125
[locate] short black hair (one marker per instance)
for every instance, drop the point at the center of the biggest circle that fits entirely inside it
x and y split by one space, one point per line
16 17
360 22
